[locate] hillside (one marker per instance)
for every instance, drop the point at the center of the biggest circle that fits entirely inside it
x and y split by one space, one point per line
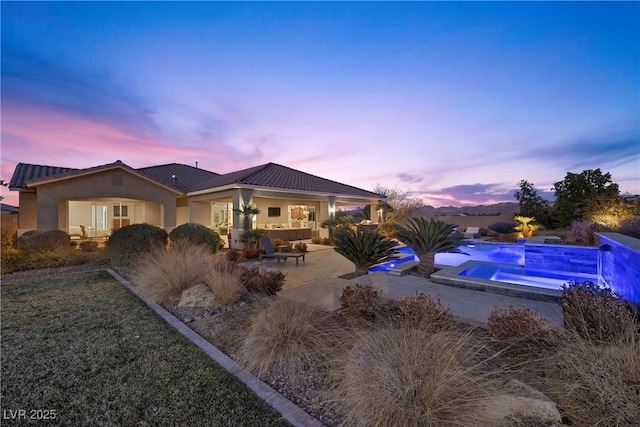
480 210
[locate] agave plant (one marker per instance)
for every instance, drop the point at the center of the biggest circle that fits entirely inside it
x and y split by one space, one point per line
502 227
250 238
524 226
363 248
426 238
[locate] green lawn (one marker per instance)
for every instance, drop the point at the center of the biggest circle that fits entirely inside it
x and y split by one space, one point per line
84 346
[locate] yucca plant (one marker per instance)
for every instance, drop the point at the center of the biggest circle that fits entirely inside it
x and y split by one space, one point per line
502 227
247 211
524 226
363 248
426 238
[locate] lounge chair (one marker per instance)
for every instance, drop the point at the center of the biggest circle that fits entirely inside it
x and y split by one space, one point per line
472 232
269 252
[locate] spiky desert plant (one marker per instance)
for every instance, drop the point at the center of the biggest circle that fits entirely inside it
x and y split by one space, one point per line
525 226
426 238
363 248
247 211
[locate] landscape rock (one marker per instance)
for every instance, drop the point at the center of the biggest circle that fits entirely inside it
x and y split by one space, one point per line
197 296
522 405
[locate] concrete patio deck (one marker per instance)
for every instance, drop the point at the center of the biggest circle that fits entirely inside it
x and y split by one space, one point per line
317 280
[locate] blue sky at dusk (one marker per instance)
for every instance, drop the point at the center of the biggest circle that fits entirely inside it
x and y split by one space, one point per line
455 102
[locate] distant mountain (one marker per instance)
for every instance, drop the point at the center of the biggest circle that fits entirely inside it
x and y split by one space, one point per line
498 208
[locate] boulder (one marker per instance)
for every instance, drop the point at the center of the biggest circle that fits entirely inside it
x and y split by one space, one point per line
521 405
197 296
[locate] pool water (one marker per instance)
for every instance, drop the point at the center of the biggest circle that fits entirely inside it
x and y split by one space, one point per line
523 276
491 252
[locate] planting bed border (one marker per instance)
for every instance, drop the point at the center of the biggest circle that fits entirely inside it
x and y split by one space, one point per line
291 412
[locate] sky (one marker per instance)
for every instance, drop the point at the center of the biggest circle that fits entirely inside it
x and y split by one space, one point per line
452 102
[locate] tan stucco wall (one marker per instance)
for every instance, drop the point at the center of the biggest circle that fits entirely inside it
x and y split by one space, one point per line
99 185
182 211
28 212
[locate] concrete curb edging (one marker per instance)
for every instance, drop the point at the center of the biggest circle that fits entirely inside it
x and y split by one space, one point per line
291 412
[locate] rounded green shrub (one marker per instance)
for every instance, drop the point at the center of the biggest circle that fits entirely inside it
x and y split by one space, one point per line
43 241
196 234
127 243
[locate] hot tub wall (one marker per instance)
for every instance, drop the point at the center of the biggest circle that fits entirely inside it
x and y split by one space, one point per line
573 259
621 264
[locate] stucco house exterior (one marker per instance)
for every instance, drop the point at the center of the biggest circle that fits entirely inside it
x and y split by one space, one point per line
91 202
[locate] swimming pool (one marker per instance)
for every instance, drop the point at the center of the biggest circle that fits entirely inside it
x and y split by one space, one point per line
524 276
493 252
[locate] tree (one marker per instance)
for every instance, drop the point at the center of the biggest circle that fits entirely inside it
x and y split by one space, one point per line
398 203
532 204
576 192
363 248
247 211
426 238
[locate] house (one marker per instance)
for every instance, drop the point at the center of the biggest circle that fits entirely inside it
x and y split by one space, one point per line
9 217
92 202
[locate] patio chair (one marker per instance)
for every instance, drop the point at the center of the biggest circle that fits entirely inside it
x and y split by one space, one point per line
269 252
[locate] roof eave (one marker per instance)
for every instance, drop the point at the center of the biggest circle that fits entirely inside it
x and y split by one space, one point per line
281 190
30 185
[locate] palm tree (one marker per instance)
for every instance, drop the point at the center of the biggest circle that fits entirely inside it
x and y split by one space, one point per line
247 211
426 238
363 248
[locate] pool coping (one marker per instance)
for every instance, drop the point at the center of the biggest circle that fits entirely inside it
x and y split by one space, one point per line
448 275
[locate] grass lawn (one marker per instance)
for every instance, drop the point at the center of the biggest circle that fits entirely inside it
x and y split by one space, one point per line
84 346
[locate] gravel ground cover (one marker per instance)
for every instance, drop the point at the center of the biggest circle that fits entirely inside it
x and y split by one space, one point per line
80 349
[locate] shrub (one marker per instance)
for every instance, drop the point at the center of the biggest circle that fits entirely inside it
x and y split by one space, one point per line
223 278
522 332
423 312
16 260
362 300
316 240
630 227
128 243
88 245
263 283
42 241
163 274
596 384
595 313
196 234
250 253
410 377
584 232
8 238
300 247
233 255
327 242
502 227
284 338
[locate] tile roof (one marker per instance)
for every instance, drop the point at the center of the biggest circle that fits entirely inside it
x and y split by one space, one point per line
186 176
272 175
25 172
189 178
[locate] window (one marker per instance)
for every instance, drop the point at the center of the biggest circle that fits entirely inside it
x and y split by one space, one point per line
273 212
117 211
